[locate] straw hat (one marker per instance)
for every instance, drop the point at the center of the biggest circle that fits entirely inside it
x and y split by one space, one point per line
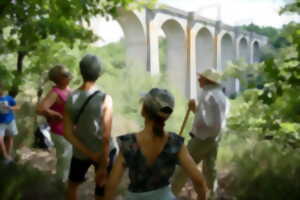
212 75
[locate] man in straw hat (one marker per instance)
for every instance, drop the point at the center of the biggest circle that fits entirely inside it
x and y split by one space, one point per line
210 119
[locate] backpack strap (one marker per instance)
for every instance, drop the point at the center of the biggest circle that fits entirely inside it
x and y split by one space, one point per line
84 105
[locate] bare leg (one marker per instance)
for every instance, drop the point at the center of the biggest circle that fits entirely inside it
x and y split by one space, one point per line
9 142
99 192
72 190
63 155
3 148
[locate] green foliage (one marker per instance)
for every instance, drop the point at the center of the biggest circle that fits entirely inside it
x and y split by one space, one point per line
163 54
275 36
6 72
24 182
25 119
44 18
113 55
272 110
60 20
126 94
265 171
26 24
262 150
249 75
292 8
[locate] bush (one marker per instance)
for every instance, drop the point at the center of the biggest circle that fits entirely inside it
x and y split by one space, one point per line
22 182
263 170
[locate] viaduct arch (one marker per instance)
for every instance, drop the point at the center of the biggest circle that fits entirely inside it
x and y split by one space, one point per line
194 43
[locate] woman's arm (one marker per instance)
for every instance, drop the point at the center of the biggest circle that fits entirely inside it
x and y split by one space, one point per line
68 134
115 177
190 168
44 106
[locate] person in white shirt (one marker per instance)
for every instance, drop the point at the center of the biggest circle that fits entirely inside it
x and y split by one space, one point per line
210 119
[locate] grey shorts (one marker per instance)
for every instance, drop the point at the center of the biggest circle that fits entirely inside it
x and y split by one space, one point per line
8 129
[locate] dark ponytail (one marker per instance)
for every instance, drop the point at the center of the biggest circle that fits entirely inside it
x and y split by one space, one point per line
159 122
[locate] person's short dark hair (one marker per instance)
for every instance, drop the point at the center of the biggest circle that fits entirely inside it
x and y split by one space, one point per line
90 67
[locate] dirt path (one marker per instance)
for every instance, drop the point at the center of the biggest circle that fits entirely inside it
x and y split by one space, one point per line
45 161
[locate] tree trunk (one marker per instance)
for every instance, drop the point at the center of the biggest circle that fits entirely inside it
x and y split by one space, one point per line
17 80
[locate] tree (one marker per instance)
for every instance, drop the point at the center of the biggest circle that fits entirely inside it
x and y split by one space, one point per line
24 23
266 123
272 111
275 36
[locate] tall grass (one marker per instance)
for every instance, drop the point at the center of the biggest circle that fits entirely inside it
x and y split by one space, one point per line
126 88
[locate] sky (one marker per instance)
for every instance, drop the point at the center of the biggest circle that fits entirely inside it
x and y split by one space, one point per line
233 12
236 12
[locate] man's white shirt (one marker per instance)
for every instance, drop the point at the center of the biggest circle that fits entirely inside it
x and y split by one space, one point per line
211 113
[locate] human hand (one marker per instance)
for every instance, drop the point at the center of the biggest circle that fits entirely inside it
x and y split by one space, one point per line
101 176
203 194
4 107
95 156
192 104
202 197
7 107
55 116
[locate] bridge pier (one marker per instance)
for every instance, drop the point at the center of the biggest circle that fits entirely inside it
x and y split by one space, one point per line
177 70
135 38
152 43
191 57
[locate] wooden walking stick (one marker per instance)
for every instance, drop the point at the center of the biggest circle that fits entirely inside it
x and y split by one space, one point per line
184 121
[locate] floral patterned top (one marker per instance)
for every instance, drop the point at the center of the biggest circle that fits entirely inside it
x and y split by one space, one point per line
144 178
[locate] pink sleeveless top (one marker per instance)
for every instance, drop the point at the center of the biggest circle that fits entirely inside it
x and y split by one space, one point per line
57 126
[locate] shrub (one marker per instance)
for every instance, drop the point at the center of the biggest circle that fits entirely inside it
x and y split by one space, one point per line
22 182
265 171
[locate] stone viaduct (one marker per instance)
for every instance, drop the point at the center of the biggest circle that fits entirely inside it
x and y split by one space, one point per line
194 43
